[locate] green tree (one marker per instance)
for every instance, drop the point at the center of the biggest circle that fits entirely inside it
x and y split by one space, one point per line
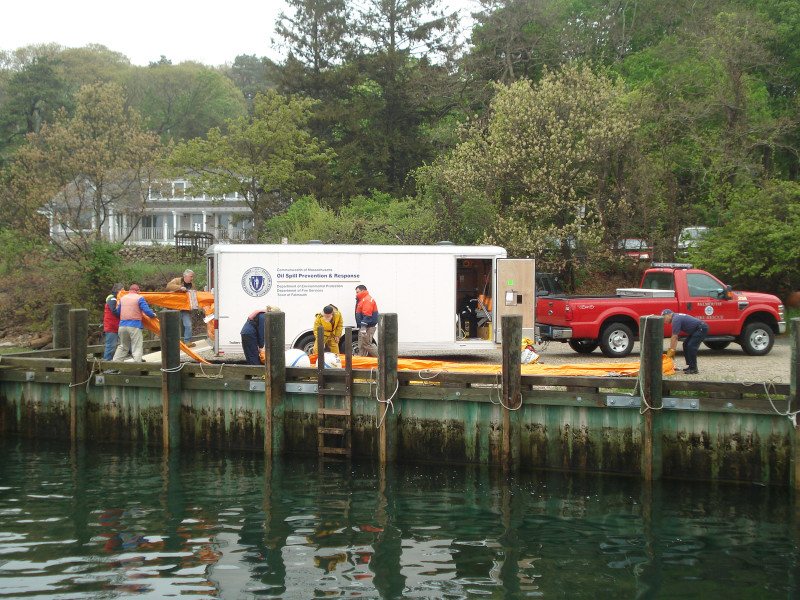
316 34
251 75
184 101
82 168
31 97
548 159
756 247
264 158
404 42
712 126
374 219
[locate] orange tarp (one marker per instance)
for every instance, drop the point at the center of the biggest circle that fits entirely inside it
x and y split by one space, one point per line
589 369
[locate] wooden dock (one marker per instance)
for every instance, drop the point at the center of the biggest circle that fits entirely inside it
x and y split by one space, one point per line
645 426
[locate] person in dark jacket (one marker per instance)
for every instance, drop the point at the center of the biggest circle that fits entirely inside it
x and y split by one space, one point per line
366 321
695 331
253 335
184 284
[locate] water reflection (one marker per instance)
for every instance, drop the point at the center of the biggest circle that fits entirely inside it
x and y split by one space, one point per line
78 522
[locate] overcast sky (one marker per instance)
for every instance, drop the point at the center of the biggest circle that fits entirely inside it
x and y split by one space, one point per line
212 33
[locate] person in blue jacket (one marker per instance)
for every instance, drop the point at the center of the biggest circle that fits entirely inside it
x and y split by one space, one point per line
695 331
253 335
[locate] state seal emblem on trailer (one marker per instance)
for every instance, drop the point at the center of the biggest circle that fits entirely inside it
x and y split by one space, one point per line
256 281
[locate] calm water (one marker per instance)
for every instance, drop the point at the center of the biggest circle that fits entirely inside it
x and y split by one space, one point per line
132 523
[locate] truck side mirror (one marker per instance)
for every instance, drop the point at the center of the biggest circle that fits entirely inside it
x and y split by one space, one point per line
727 293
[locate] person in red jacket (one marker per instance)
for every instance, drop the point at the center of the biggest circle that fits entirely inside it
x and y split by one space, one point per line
111 321
366 321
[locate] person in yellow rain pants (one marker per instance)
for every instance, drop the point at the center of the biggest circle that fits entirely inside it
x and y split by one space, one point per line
331 320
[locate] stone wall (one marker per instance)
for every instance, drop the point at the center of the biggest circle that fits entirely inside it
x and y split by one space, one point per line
159 255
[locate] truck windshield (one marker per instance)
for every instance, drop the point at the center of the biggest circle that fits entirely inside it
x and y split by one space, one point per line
658 281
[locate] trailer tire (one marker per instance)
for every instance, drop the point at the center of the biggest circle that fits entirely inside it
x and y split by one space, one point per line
757 339
306 344
584 346
616 340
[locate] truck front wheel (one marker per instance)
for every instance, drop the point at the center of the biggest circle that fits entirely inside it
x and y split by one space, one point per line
616 340
583 346
757 339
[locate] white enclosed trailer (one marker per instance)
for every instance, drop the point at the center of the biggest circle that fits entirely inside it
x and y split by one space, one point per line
432 289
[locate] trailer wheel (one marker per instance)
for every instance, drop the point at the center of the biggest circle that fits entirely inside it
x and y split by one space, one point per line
306 344
583 346
757 339
616 340
717 345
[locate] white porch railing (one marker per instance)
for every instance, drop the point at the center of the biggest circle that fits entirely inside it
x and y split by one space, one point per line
148 234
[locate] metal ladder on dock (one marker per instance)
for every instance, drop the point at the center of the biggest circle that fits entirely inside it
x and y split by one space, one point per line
335 407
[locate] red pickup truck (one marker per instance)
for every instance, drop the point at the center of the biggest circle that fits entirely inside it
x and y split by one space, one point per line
612 322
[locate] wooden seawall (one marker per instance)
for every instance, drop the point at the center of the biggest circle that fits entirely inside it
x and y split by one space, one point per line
644 426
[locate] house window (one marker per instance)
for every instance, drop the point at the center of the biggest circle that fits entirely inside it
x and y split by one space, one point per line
197 223
152 221
230 196
178 189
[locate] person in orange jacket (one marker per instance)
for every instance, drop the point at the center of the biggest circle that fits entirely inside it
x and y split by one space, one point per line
366 321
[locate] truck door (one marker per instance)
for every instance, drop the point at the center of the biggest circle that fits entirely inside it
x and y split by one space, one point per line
706 301
515 293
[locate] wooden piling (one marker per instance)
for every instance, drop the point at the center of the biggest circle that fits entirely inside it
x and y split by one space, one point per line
387 386
169 323
651 349
78 331
794 398
511 393
61 337
274 382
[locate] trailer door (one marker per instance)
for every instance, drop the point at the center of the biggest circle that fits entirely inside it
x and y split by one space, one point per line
516 293
212 286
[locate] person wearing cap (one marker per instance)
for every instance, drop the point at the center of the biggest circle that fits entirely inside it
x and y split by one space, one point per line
184 284
695 331
131 308
111 321
331 320
253 335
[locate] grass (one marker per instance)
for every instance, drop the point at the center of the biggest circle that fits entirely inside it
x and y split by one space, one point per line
12 350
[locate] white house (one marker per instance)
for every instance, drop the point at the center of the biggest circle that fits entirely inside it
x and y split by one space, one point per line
169 208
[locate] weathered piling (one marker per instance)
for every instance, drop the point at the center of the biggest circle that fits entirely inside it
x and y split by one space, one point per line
511 393
169 324
651 345
78 345
61 325
794 397
387 387
274 382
